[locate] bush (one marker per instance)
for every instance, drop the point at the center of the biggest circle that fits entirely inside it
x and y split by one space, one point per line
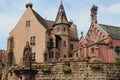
118 61
67 70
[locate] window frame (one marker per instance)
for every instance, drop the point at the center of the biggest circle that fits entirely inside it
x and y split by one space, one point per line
32 40
28 23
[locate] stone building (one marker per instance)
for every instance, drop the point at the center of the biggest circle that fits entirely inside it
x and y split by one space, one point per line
102 42
49 40
2 62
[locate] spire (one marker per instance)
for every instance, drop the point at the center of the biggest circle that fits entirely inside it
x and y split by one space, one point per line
94 13
82 34
61 1
61 15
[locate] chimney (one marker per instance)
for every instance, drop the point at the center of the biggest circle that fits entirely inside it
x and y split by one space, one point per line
94 14
29 5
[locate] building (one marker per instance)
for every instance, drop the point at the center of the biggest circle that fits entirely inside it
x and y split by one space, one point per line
49 40
102 42
2 58
2 62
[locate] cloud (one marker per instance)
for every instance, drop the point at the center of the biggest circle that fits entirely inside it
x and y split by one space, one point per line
115 8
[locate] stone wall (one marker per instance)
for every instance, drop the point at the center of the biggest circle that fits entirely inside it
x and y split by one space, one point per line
80 70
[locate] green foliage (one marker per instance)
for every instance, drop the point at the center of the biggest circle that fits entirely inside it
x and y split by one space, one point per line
67 70
118 61
46 69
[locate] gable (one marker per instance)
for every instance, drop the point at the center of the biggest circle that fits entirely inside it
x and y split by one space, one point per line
33 17
95 34
82 42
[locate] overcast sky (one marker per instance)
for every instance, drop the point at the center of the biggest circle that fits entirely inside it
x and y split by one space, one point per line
77 10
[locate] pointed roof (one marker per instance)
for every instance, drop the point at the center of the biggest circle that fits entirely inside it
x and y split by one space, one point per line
61 15
111 30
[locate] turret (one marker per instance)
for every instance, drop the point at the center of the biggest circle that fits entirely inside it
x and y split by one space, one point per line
61 17
94 14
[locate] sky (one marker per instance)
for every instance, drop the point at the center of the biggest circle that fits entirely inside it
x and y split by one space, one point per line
76 10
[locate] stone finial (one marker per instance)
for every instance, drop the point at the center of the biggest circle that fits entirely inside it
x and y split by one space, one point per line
82 34
94 14
29 5
94 9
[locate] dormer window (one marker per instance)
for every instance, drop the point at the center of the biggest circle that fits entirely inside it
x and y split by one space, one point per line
28 23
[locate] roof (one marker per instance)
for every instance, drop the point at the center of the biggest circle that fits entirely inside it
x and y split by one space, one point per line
111 30
49 23
61 16
73 33
40 19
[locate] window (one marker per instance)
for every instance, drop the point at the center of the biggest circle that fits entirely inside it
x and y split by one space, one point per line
58 29
64 43
28 23
45 57
64 29
117 50
71 47
51 54
51 43
92 50
32 40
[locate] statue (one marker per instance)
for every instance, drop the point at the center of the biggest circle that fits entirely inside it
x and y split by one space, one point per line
27 56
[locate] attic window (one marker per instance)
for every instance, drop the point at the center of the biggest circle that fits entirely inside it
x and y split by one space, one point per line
28 23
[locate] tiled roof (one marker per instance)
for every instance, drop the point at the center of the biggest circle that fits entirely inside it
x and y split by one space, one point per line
40 19
111 30
73 33
49 23
61 16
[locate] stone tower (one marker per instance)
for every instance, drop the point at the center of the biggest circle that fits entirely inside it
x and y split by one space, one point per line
62 29
94 14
